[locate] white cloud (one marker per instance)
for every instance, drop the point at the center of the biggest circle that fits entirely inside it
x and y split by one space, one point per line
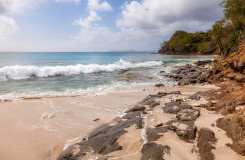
76 1
86 23
8 27
95 5
162 16
143 25
13 6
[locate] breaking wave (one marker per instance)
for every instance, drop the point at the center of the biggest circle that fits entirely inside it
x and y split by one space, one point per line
25 72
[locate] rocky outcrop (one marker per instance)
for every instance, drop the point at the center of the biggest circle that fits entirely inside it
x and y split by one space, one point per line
229 100
102 140
185 118
190 73
230 68
205 143
234 125
153 151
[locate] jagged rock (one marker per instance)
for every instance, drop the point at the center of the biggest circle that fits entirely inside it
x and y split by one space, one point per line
188 115
148 101
205 143
154 134
103 140
203 63
174 107
234 126
153 151
132 115
185 130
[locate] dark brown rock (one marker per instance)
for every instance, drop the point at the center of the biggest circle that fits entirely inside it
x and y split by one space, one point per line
154 134
102 140
153 151
188 114
205 143
234 126
132 115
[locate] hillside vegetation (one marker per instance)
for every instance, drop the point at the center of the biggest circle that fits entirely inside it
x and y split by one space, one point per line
223 38
189 43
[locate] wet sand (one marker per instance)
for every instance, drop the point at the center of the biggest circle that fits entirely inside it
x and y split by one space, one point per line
41 128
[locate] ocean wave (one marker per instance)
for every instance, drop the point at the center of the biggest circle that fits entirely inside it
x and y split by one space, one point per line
25 72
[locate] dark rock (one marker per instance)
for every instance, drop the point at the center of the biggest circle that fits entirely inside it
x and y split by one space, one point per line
185 130
195 97
234 126
159 85
189 74
153 151
205 143
154 134
203 63
188 114
149 100
135 109
103 140
132 115
174 107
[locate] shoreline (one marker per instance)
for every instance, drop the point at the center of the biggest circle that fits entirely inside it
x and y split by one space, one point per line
48 128
72 118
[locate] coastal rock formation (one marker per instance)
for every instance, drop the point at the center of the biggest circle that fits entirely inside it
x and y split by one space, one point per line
102 140
205 143
190 73
230 68
234 126
185 118
229 100
153 151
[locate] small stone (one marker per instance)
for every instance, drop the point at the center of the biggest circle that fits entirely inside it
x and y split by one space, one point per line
158 124
212 125
159 85
97 119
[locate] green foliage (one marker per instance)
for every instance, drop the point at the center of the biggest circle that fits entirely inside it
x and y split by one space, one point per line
228 31
182 42
234 10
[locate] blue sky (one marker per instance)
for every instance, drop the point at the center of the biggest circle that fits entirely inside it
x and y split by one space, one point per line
99 25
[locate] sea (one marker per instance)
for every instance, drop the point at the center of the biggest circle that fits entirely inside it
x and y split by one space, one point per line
68 74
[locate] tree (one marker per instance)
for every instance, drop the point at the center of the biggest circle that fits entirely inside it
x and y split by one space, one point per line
228 31
234 10
219 32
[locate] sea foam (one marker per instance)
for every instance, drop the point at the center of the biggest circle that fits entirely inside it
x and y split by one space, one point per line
24 72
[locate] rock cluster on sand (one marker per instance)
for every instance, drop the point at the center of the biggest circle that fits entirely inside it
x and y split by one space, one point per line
229 75
205 142
190 73
186 115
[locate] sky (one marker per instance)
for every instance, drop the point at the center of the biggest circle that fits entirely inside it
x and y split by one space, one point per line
99 25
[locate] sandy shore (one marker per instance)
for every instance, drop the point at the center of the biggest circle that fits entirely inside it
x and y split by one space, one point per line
42 128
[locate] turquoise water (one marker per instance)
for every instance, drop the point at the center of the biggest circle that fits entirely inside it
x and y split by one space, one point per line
46 74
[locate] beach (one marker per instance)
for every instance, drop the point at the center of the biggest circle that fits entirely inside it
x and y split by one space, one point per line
43 128
157 111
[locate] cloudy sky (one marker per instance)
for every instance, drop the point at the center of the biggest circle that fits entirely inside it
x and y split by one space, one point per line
99 25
